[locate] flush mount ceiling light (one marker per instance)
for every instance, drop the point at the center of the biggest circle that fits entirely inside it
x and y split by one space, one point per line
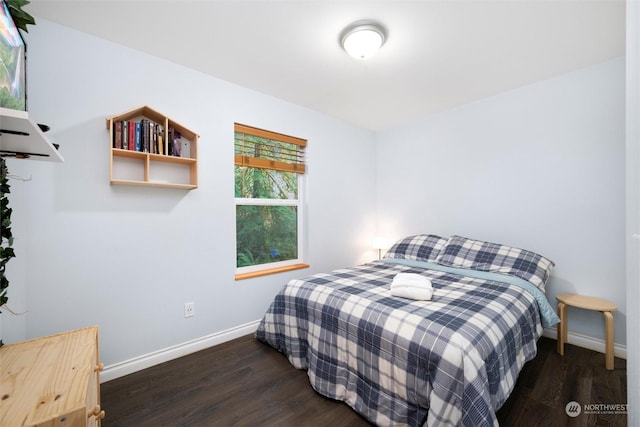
362 39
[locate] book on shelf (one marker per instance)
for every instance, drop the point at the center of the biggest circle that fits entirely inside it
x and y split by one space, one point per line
138 144
186 147
141 147
144 135
125 135
132 135
117 134
153 138
177 145
160 133
170 141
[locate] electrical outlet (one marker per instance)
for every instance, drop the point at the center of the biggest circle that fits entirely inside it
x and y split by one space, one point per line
189 309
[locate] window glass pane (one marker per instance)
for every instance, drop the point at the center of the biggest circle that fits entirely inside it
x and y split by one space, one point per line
255 183
266 234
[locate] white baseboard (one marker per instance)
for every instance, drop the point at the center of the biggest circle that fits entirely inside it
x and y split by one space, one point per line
135 364
585 341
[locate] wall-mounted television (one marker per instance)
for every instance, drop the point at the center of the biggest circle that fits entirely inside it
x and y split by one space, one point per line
13 62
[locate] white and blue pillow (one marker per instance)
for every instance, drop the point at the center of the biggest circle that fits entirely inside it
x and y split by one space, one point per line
419 247
479 255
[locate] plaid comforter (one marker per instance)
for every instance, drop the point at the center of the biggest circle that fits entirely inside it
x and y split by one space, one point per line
453 360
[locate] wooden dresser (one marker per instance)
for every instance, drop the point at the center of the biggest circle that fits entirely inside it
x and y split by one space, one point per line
52 381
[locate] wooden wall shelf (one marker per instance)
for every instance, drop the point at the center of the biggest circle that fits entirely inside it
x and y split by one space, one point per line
153 167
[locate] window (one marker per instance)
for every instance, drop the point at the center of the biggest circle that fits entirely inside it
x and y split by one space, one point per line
268 172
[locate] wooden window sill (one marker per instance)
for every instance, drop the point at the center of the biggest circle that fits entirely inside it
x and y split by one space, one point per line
268 271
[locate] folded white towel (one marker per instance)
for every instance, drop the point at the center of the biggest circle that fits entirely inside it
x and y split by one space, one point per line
410 280
412 286
412 292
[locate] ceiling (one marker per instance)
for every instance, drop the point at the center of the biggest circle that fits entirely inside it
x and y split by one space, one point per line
439 53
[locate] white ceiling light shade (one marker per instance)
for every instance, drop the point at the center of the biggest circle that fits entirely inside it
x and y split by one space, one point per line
362 39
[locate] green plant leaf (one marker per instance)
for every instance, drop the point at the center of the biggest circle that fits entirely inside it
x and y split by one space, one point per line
19 16
6 253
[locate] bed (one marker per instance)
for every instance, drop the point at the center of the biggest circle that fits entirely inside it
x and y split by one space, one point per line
451 360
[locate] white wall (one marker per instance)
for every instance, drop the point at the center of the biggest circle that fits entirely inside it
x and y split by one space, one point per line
633 208
540 167
128 258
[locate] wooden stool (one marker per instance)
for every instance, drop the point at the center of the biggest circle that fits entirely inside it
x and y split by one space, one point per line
588 303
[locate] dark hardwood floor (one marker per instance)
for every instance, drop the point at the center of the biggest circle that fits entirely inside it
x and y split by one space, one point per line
246 383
